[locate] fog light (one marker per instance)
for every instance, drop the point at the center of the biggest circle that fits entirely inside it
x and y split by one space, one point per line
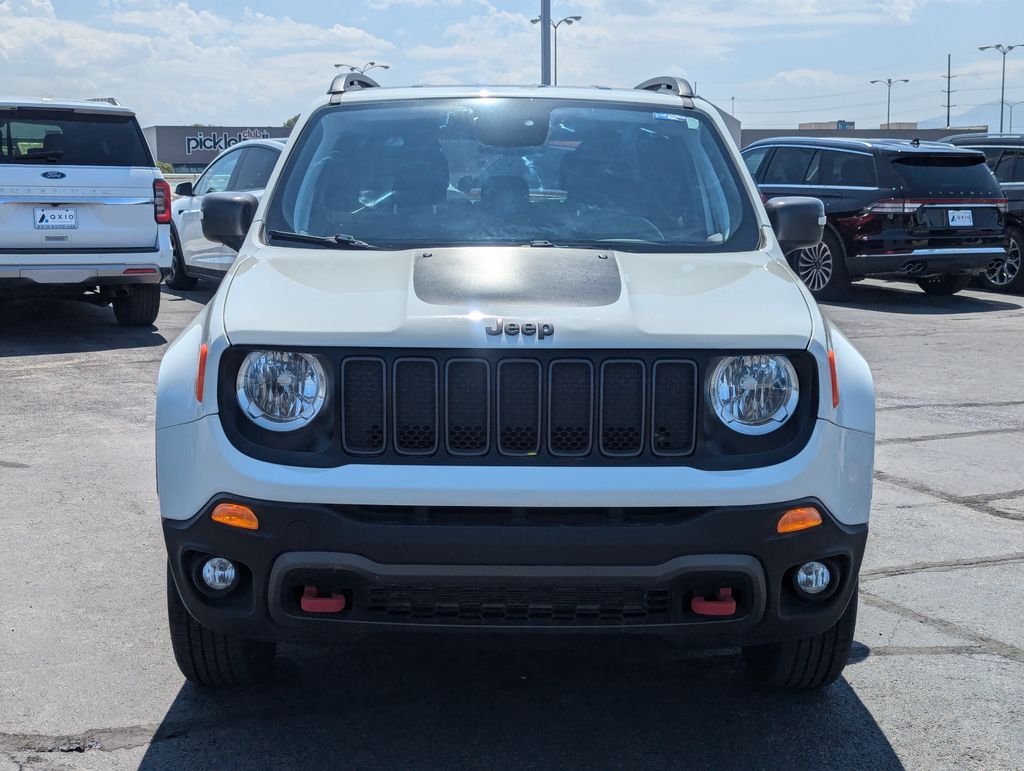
219 574
813 577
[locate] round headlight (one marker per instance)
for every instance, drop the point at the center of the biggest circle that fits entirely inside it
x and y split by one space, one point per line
754 394
281 391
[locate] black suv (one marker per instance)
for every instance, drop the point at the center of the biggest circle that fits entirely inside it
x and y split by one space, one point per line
1005 156
923 211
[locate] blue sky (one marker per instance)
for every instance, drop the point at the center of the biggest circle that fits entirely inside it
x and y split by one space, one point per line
259 61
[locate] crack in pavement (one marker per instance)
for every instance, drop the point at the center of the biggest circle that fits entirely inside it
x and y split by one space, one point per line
955 435
989 497
97 739
940 405
926 650
985 644
940 567
975 503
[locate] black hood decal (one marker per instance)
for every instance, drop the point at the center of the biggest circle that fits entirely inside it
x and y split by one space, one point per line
522 278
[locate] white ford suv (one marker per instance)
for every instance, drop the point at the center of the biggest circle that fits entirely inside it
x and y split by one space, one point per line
520 359
84 212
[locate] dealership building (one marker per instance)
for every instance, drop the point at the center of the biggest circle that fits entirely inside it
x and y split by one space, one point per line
189 149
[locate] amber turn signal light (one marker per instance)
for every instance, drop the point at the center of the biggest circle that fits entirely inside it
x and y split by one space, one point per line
235 515
799 519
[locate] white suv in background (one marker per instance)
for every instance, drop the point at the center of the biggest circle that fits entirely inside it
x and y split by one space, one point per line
244 167
84 212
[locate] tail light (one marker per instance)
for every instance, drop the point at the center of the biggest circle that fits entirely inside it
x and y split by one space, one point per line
161 201
894 206
909 206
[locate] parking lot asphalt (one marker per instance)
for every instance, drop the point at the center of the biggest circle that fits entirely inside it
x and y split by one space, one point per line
936 676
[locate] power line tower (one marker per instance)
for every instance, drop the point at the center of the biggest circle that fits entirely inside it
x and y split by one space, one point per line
949 82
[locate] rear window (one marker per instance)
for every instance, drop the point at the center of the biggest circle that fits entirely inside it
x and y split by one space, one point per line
945 175
71 139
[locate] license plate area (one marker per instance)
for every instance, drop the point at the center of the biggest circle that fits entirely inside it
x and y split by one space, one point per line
960 218
65 218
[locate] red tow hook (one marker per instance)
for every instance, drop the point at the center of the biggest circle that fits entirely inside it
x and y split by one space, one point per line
722 605
312 602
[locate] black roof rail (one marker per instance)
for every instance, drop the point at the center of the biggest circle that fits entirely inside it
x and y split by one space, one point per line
106 99
667 83
351 81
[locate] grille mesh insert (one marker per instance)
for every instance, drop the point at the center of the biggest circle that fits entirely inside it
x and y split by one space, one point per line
622 408
570 407
415 387
519 406
363 416
675 383
467 402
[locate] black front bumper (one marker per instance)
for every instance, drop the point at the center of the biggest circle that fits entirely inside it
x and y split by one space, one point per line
525 570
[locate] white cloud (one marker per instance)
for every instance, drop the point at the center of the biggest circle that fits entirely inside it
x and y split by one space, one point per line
174 63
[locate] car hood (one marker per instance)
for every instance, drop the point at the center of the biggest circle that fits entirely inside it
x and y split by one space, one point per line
448 297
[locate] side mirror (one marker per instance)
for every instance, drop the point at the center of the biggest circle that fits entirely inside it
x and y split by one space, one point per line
798 221
184 189
227 217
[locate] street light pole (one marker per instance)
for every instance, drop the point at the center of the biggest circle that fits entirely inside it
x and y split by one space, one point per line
889 83
1004 50
365 68
545 42
569 20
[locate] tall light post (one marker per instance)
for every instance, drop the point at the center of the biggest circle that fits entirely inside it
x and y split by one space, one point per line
1004 50
568 20
889 83
365 68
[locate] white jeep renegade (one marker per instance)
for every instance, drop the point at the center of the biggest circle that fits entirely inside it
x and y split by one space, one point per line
521 359
84 212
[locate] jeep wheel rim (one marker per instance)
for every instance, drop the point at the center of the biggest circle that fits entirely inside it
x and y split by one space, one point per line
814 266
1008 271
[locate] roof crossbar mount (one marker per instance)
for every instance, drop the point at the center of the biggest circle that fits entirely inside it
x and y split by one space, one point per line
351 81
667 84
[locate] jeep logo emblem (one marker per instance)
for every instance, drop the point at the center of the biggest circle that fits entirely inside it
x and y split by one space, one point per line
541 329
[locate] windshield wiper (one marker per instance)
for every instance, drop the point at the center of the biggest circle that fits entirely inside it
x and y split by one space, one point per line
337 241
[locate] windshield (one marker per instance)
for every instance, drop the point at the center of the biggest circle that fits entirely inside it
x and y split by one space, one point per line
513 171
68 138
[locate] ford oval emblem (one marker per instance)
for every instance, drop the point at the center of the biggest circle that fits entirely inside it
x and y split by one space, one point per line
54 174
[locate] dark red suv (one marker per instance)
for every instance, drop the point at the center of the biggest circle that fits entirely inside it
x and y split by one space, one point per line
921 211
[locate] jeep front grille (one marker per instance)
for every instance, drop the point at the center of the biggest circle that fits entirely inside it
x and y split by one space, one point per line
572 406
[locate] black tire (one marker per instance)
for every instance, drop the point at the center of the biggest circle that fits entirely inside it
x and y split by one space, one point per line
1009 277
944 286
139 307
211 659
807 663
822 268
178 278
